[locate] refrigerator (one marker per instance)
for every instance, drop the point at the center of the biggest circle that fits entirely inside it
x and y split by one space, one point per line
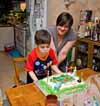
36 11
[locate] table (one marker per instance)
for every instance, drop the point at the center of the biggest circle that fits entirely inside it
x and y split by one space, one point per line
30 94
86 73
26 95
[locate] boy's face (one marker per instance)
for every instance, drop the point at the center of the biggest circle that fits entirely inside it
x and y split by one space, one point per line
43 48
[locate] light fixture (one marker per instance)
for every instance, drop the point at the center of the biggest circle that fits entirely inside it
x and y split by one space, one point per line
68 3
23 6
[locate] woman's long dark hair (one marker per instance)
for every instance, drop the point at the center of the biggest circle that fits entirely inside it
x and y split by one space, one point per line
64 19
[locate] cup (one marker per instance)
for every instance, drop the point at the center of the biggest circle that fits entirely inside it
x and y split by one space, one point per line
51 100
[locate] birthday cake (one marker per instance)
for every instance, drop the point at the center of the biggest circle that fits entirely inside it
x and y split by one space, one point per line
61 84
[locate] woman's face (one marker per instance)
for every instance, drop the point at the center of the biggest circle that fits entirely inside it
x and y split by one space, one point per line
44 48
62 30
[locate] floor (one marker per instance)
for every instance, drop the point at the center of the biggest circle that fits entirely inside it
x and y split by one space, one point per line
6 73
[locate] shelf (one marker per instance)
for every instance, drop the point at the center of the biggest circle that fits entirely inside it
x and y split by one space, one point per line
88 51
88 40
97 56
83 52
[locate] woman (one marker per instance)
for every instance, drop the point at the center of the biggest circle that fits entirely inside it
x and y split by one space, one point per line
62 38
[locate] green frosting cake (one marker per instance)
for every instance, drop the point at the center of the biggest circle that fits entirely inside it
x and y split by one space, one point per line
61 84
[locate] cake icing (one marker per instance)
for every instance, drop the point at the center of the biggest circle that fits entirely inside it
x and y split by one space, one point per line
61 84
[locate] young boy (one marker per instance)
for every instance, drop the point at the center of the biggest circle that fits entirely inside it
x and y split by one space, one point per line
41 59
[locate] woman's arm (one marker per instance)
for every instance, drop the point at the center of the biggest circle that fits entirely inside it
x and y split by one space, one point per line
64 51
55 68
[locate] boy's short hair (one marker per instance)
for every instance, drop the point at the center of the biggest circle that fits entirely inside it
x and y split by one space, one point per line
64 19
42 37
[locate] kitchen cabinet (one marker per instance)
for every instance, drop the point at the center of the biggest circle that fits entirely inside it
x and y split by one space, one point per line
6 36
20 39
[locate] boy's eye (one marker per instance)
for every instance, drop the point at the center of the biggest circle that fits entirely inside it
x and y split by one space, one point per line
44 47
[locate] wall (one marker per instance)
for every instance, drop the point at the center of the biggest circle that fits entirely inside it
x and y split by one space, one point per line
55 7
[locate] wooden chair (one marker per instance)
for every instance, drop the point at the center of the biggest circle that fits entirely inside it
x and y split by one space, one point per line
18 63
